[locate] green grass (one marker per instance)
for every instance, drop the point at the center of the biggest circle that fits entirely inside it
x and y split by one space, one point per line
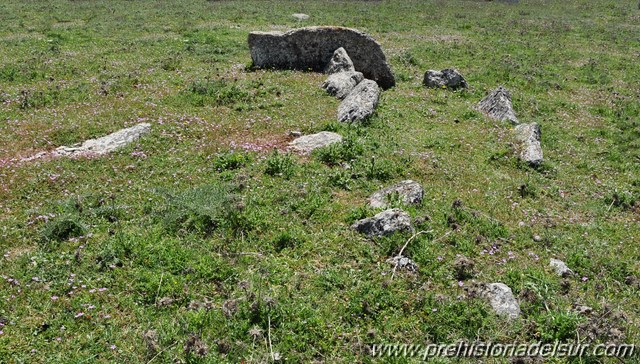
203 233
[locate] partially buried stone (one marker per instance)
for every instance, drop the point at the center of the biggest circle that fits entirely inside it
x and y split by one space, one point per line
385 223
360 104
407 192
308 143
530 150
448 78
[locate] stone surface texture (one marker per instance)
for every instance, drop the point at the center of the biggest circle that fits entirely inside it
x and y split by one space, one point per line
528 137
497 105
360 104
342 83
308 143
385 223
408 192
448 78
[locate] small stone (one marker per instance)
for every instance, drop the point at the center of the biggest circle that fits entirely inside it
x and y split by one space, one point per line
497 105
583 310
385 223
360 104
308 143
448 78
528 136
295 133
560 267
341 84
537 238
403 263
300 16
407 192
166 301
339 62
502 300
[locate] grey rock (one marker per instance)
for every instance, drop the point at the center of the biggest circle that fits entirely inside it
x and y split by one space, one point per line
583 310
403 263
448 78
312 48
560 267
339 62
341 84
497 105
307 143
408 192
105 144
528 137
385 223
360 103
502 300
300 16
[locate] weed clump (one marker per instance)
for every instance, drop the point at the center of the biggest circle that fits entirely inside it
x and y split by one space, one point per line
62 229
279 164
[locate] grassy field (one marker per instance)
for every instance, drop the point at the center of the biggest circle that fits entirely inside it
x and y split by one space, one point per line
200 243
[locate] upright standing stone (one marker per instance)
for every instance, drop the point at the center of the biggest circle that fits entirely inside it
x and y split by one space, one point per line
339 62
528 136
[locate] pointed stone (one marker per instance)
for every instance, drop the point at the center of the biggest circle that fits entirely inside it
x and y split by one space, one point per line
528 137
339 62
497 105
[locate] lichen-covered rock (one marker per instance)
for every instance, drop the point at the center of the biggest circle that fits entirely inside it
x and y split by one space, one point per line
408 192
360 103
403 263
105 144
339 62
502 300
385 223
528 137
560 267
300 16
497 105
312 48
342 83
448 78
308 143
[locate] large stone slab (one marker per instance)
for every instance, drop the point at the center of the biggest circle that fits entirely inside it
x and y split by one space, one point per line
342 83
105 144
528 136
385 223
308 143
408 192
497 105
361 102
312 48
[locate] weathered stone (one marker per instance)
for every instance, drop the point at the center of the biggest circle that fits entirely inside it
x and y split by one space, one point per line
300 16
448 78
502 300
313 47
105 144
497 105
360 103
408 192
385 223
341 84
528 136
339 62
403 263
307 143
560 267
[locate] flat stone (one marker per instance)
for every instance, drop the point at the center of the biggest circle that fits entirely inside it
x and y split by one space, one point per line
497 105
408 192
311 48
308 143
385 223
528 137
560 267
448 78
339 62
361 102
502 300
341 84
105 144
300 16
